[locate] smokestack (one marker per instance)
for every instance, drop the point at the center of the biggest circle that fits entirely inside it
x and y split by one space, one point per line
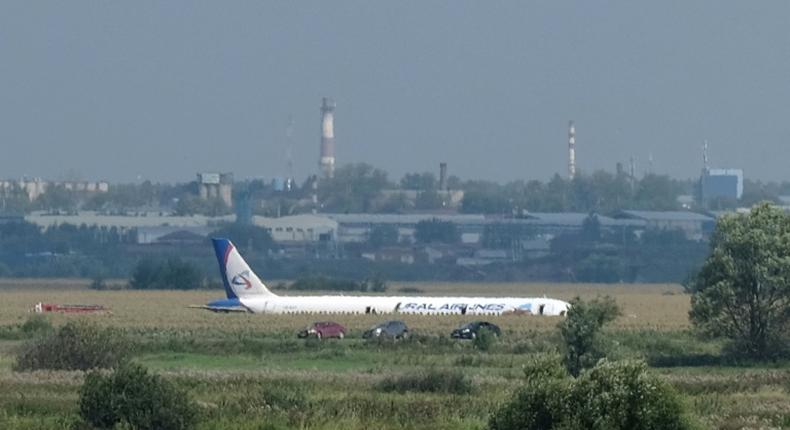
571 150
442 176
705 165
327 161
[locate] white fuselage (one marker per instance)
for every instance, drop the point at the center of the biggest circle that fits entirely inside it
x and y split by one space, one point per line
404 304
245 290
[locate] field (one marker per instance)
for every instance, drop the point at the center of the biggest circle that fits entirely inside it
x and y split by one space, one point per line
250 371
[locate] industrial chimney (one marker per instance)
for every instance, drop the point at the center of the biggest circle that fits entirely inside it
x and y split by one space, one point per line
442 176
571 150
327 161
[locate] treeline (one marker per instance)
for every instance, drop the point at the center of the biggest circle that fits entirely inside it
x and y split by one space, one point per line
66 250
362 188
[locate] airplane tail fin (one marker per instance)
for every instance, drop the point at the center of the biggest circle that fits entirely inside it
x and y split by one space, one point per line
238 278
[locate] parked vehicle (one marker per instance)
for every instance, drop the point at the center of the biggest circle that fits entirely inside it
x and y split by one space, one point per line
391 329
324 329
472 329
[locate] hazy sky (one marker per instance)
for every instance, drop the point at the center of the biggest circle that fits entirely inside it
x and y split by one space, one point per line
160 90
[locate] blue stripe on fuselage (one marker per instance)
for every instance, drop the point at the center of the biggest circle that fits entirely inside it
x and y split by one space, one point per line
222 247
225 303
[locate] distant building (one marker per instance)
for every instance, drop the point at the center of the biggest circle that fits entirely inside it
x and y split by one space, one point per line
36 187
172 235
216 185
721 183
124 222
451 199
392 254
299 228
694 226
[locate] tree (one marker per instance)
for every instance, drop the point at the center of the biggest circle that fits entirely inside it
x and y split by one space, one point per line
597 267
657 192
591 228
742 291
245 236
57 198
418 181
172 274
427 200
436 230
580 331
353 188
383 235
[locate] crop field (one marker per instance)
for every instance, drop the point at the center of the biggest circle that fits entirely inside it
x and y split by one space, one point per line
250 371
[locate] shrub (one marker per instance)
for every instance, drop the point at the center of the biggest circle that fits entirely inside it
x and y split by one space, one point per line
623 395
131 397
611 396
541 405
580 331
75 346
484 339
35 325
545 366
431 381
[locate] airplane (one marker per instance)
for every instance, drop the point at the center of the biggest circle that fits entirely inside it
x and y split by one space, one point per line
247 293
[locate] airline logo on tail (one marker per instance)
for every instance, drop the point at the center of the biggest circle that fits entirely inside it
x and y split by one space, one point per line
237 277
242 280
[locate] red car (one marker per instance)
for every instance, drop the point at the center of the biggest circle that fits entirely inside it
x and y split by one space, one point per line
324 329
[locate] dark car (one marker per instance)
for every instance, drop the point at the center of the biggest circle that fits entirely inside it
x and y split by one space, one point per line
324 329
472 329
390 329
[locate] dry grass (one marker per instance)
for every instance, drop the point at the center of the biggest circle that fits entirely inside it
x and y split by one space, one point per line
645 306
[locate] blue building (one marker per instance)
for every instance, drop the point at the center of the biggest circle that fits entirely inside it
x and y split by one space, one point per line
721 183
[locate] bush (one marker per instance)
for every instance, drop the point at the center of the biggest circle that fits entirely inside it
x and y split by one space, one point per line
484 339
36 325
611 396
131 397
580 331
541 405
545 366
623 395
431 381
75 346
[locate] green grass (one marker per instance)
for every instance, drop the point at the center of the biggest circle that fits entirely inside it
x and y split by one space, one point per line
196 361
234 364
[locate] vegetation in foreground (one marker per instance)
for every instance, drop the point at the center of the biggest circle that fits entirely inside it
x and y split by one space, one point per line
272 380
429 381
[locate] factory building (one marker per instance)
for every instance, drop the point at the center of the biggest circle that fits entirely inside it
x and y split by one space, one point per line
299 228
694 226
216 185
721 183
